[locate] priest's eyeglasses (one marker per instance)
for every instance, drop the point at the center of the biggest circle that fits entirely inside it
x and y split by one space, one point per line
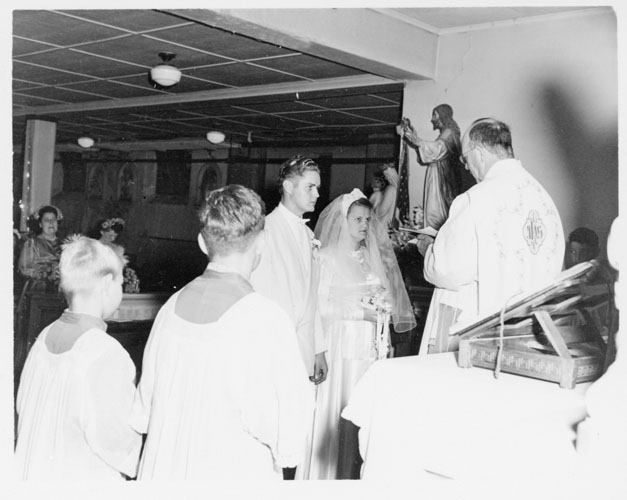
462 158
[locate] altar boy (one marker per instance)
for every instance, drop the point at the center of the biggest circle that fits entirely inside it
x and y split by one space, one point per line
223 395
76 391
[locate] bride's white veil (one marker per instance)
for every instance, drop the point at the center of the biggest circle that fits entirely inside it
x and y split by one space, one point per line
332 231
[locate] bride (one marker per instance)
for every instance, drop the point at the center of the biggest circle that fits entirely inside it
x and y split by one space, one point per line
361 290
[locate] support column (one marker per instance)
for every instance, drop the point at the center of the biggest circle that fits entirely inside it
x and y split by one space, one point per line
38 161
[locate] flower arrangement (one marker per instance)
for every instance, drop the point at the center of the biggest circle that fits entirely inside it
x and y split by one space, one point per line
49 270
417 217
401 239
130 283
402 235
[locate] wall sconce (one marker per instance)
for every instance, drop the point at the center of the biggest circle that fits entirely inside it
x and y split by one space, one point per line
165 74
85 142
215 137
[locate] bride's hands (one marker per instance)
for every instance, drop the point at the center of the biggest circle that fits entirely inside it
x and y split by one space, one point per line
370 315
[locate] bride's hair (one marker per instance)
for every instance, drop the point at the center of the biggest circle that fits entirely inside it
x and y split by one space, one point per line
231 217
361 202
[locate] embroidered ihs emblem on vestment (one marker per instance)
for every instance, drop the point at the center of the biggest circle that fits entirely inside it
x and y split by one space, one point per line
534 231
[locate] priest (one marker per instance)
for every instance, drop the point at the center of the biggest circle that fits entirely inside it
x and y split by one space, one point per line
503 237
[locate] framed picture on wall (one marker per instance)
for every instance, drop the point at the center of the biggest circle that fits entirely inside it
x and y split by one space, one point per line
126 183
210 179
95 183
173 176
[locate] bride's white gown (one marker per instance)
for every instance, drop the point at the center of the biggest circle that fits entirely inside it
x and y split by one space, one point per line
345 278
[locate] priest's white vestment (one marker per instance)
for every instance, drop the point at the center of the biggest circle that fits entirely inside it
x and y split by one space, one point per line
503 236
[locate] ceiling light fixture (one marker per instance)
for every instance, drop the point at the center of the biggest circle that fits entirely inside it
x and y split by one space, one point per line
85 142
215 137
165 74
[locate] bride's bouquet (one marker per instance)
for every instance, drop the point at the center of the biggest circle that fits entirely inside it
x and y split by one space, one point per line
378 301
130 281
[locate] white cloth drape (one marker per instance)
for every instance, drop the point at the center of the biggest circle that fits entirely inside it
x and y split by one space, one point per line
464 424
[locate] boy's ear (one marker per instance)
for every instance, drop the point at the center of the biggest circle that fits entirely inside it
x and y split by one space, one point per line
261 241
288 186
202 244
106 281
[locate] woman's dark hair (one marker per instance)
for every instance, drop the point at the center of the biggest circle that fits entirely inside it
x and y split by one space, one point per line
585 236
118 228
47 209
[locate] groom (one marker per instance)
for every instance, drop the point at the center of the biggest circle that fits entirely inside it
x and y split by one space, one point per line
288 270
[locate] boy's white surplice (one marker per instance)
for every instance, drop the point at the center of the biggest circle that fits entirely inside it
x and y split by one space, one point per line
74 410
224 400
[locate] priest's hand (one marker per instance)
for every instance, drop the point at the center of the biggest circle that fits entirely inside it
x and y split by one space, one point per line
320 369
423 243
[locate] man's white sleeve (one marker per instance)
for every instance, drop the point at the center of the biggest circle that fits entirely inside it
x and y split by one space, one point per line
451 261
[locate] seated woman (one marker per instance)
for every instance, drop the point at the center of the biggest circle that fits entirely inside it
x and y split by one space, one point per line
39 258
361 290
224 393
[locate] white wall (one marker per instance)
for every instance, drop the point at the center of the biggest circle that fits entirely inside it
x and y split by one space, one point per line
555 83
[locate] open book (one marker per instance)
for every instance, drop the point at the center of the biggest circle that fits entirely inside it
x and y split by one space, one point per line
525 301
429 231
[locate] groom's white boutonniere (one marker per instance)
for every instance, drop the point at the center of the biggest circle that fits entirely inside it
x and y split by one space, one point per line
315 247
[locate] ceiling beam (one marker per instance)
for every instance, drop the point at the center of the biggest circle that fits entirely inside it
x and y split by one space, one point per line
209 95
365 39
161 145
